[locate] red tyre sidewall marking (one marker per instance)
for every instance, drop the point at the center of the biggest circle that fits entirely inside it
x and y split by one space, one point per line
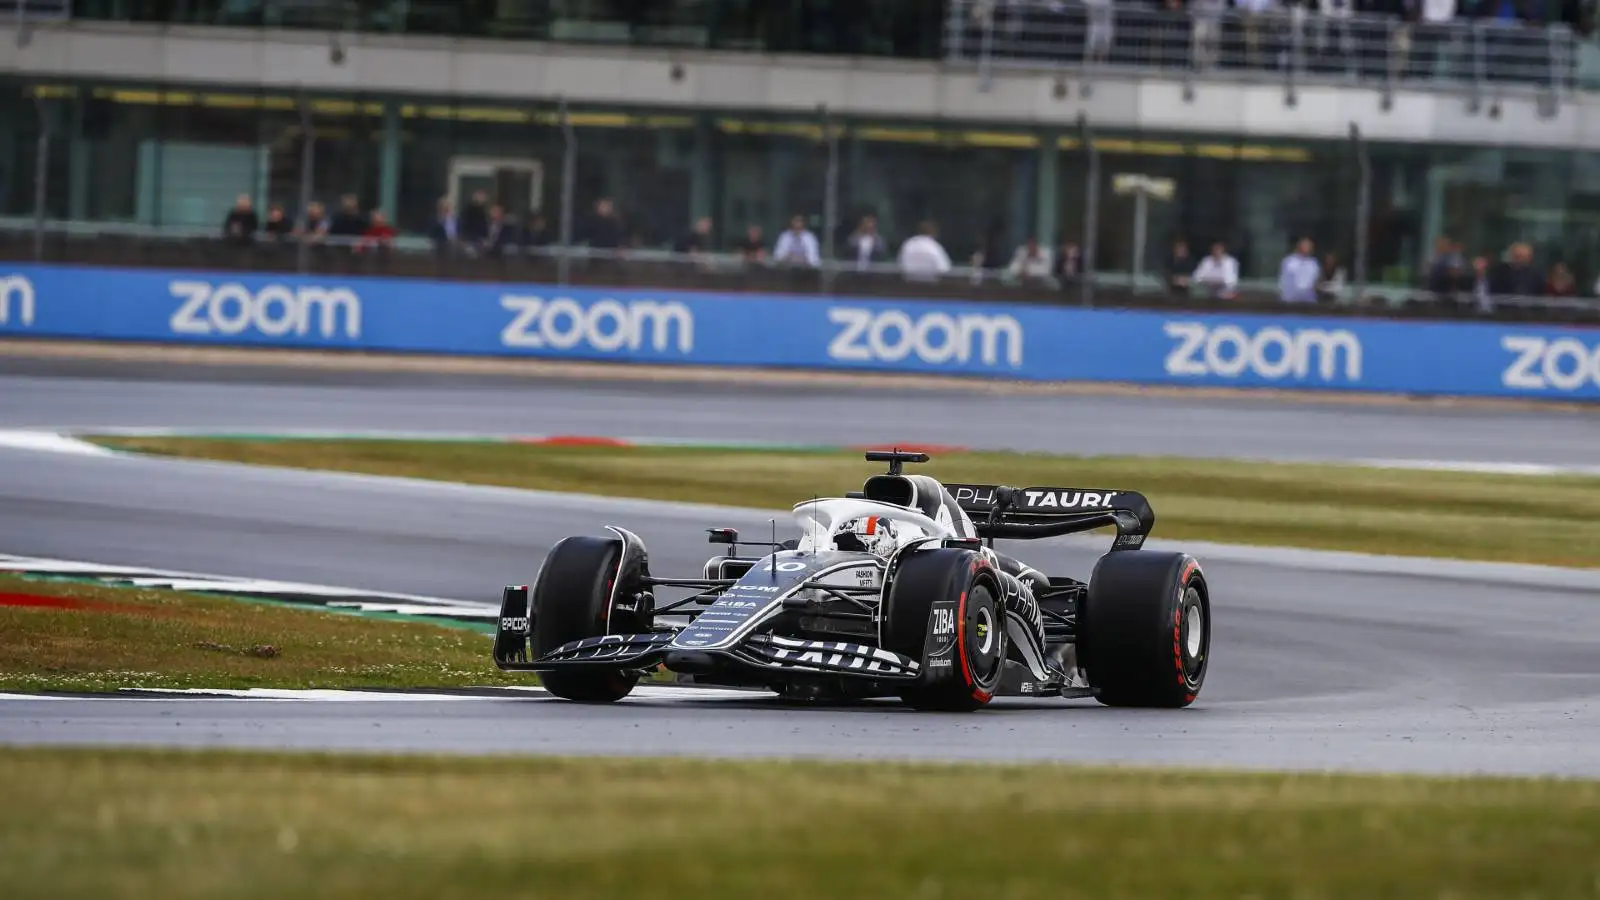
978 693
1177 625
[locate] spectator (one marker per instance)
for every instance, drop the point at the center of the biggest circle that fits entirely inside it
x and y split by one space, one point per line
992 252
1254 15
1206 48
604 230
797 246
500 232
1433 33
278 226
1447 271
922 256
1482 284
698 240
1180 265
314 227
537 233
1030 262
378 233
473 226
1299 274
1334 281
1102 22
1334 20
1068 265
242 222
753 249
444 233
1561 283
866 245
1218 273
348 222
1516 277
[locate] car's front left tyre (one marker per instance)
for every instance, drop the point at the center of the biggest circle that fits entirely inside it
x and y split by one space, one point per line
572 600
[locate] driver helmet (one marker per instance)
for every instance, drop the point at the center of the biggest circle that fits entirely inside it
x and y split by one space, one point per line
874 534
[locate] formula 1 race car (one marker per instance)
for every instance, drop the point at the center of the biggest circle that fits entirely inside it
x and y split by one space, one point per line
892 591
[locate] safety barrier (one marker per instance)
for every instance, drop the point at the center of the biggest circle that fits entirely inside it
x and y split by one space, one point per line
1024 342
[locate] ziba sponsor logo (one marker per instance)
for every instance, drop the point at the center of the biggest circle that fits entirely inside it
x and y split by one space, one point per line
606 325
16 300
937 338
276 310
1272 353
1565 364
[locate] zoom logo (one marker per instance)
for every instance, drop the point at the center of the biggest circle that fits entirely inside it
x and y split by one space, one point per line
1272 353
936 338
275 310
1566 364
606 325
16 300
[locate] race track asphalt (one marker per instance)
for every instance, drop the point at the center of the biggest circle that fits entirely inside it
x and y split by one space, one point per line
69 393
1313 668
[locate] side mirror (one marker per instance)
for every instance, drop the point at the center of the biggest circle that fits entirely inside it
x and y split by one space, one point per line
722 535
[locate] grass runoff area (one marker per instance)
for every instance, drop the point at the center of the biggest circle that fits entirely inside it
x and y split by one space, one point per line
64 636
1510 518
177 825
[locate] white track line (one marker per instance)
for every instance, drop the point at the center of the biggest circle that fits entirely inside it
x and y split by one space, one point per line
645 692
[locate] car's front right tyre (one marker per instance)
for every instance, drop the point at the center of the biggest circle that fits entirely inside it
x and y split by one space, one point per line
572 600
943 608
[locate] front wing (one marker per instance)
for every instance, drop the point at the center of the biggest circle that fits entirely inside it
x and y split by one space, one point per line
768 653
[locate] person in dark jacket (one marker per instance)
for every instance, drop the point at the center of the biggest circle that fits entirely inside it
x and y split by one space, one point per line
242 222
348 222
1516 276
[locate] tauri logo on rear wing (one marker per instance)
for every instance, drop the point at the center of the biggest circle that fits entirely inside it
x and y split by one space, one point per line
1040 503
982 498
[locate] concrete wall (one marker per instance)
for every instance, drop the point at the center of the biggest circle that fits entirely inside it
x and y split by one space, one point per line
876 89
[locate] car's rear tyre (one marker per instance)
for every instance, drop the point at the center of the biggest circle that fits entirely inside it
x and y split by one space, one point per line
1144 630
572 600
943 609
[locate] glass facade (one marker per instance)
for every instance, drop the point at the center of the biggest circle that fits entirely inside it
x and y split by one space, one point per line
150 157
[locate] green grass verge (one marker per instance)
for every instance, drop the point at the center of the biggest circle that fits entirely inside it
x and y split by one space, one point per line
176 825
1552 520
114 637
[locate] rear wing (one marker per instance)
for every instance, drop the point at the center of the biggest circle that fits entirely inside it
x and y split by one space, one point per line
998 511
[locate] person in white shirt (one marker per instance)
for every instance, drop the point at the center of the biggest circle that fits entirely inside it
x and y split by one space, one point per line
1218 273
1206 47
923 257
1030 261
797 246
1298 275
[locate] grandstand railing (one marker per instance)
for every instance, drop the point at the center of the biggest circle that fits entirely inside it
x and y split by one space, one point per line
649 269
1291 45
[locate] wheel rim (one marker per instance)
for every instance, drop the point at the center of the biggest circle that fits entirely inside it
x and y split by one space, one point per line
1193 627
983 650
985 632
1194 637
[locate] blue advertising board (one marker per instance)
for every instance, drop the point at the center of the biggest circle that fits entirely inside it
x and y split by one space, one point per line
1033 343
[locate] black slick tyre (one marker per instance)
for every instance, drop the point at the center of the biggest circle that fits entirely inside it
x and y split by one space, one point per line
572 601
1144 631
944 609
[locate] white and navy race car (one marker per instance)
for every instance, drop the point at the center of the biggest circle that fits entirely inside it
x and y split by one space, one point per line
895 590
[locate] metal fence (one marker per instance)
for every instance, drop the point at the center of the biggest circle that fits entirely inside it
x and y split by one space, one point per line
1292 44
720 272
